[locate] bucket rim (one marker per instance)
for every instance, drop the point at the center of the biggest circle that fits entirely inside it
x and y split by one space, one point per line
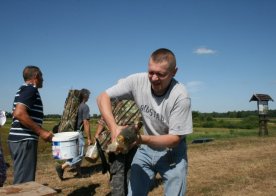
65 136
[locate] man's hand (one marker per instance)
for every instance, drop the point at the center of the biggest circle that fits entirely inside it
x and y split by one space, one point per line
89 142
116 132
46 135
138 141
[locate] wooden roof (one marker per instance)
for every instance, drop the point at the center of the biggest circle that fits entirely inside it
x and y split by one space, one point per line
261 97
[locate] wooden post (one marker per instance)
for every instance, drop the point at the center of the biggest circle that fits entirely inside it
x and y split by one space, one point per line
263 125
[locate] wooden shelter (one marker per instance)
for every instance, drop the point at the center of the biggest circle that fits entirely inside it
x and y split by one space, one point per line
262 104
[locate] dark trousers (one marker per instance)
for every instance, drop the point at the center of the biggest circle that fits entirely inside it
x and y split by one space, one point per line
120 172
24 156
3 169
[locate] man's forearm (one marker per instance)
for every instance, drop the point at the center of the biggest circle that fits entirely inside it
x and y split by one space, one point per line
99 129
86 125
162 141
105 108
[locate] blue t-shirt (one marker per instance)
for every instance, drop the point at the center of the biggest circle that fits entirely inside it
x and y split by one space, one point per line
28 95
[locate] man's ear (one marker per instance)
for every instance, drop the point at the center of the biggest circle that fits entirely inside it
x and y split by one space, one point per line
174 71
37 75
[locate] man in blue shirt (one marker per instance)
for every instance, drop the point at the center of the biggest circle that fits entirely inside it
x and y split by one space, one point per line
27 126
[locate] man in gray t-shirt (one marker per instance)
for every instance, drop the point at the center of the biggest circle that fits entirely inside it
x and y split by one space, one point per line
165 107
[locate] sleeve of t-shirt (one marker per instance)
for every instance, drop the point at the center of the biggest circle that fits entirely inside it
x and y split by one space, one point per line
181 118
85 112
27 96
123 89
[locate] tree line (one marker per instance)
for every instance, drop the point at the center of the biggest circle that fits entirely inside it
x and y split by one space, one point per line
196 114
9 115
232 114
249 119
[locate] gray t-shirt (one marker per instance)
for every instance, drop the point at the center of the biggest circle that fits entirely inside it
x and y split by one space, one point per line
83 113
167 114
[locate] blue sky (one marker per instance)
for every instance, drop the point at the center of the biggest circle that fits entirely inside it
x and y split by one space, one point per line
225 49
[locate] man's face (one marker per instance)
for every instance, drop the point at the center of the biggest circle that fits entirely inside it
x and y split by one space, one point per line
39 80
160 76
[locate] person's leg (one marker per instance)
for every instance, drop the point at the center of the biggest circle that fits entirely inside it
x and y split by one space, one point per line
173 169
3 169
142 172
24 155
117 175
175 179
128 161
76 162
73 162
60 171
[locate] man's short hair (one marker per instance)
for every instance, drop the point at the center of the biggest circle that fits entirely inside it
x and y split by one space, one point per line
84 93
30 72
164 54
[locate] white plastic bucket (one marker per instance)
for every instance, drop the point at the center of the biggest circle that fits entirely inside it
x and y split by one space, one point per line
2 117
65 145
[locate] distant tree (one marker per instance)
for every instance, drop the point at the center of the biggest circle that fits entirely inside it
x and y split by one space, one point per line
95 116
195 114
52 116
8 114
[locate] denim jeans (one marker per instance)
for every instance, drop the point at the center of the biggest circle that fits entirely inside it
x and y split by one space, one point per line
171 164
76 160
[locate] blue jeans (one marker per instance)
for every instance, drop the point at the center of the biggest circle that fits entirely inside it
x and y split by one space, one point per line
171 164
76 160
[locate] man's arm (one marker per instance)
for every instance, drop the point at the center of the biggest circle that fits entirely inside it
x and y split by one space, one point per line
22 115
86 126
159 140
105 108
100 128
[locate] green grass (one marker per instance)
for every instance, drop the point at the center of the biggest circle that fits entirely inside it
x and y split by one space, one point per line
229 133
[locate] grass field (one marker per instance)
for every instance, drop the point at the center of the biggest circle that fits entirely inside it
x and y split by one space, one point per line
236 162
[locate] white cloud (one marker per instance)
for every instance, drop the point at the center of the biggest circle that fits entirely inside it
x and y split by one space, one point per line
194 86
204 51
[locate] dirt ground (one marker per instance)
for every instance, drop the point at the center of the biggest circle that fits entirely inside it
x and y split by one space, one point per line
233 167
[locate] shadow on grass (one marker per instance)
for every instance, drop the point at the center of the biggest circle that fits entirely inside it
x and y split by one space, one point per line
92 169
88 190
86 171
